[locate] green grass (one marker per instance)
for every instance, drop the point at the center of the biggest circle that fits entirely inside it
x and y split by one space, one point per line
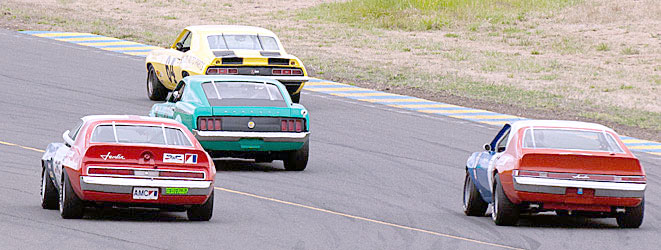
630 51
603 47
430 14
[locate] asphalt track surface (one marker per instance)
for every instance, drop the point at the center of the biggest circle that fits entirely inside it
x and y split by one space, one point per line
378 177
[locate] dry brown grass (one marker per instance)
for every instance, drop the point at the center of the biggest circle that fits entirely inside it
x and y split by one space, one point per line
600 59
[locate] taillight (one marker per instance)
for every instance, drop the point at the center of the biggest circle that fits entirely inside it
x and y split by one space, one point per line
222 71
635 179
291 125
109 171
212 71
287 72
209 123
181 174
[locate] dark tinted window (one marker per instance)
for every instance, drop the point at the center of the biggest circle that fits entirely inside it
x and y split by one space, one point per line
243 94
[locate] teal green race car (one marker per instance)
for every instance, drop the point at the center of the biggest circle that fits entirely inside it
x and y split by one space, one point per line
241 117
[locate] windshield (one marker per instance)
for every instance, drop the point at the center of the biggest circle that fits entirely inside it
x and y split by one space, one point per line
251 42
243 94
142 134
570 139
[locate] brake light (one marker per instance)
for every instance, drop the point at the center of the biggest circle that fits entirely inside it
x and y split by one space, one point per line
291 125
212 71
636 179
109 171
287 72
181 174
222 71
209 123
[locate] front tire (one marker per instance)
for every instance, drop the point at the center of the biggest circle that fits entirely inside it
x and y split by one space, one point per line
202 212
297 160
155 89
71 207
473 205
632 217
49 199
505 213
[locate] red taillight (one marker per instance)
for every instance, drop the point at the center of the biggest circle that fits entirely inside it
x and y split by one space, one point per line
291 125
233 71
638 179
286 71
181 174
212 71
277 72
209 123
296 72
222 71
109 171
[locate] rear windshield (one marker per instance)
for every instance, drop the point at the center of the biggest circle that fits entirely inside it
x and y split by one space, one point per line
139 134
251 42
243 94
570 139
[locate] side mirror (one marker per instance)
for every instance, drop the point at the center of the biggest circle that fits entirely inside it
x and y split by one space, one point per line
67 140
487 147
179 46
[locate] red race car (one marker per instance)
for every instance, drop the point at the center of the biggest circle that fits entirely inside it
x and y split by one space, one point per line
572 168
128 161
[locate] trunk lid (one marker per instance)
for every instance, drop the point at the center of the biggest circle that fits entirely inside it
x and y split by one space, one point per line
583 163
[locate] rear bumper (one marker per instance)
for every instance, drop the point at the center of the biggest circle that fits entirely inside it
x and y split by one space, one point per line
120 190
559 186
232 136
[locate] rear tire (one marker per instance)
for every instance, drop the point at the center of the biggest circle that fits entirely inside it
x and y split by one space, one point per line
297 160
632 217
473 205
155 89
48 192
71 207
505 213
202 212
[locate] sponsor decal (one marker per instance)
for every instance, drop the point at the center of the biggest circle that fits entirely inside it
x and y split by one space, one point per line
173 158
191 158
580 176
144 193
176 190
251 124
109 156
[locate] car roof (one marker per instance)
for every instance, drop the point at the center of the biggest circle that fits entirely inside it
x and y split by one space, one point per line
230 29
559 124
229 78
128 118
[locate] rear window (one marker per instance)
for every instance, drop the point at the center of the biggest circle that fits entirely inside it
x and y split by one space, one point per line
570 139
139 134
250 42
243 94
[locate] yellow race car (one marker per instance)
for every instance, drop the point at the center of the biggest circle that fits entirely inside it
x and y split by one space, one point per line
223 50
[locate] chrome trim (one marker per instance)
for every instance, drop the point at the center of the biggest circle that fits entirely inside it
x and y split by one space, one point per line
111 181
579 184
238 135
144 176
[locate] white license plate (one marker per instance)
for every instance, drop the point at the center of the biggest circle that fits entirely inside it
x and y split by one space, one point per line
145 193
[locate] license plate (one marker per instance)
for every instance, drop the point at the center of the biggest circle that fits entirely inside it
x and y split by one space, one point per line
145 193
